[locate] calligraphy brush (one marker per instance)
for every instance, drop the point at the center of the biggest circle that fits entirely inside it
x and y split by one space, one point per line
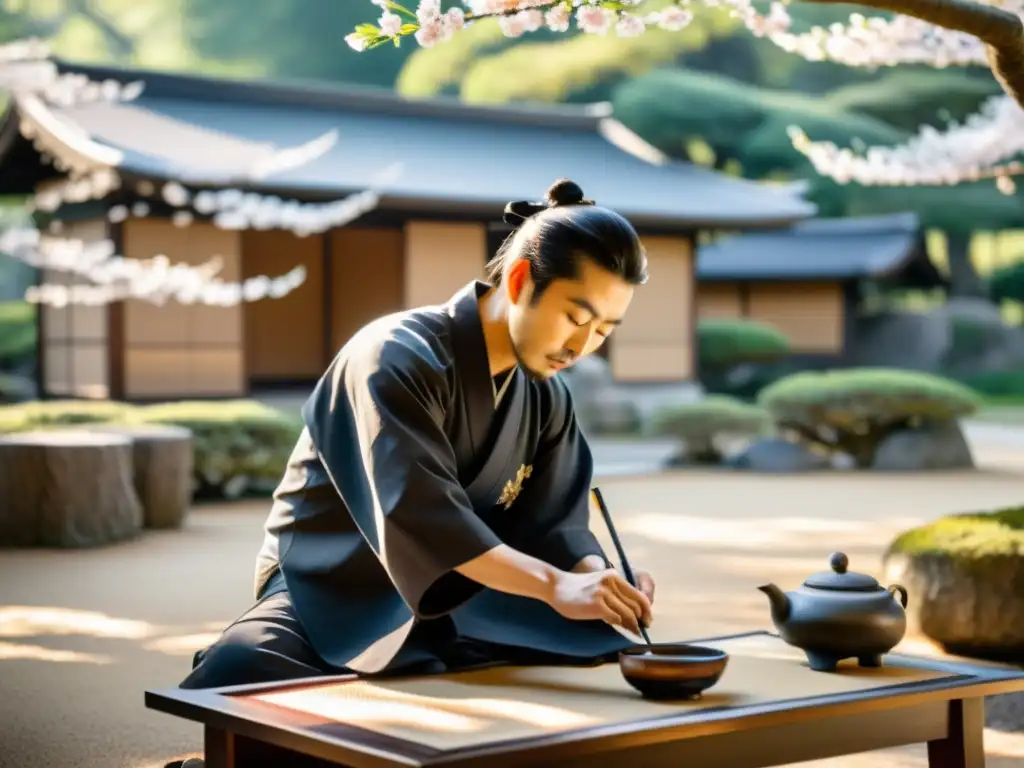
626 570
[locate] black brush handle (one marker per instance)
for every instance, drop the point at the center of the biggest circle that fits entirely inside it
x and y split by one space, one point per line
627 571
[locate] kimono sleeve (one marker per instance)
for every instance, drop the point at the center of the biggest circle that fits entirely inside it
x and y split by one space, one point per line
563 470
377 420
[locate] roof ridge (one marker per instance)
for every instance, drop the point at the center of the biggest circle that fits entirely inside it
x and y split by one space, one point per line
327 95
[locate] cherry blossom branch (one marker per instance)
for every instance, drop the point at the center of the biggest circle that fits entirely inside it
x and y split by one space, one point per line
1001 31
935 32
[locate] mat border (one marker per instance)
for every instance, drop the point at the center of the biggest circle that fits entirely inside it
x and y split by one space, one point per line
224 709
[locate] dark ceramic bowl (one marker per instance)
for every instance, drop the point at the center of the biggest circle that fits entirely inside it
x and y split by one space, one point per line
667 671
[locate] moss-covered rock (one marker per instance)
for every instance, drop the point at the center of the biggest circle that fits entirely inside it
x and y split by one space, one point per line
965 576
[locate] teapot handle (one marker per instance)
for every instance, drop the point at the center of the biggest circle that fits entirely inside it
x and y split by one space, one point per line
902 592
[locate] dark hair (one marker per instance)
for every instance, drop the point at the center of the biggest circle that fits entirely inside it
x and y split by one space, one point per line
556 234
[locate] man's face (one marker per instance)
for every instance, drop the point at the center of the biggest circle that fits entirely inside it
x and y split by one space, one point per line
572 318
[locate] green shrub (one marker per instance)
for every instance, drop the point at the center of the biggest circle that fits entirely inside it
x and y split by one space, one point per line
1007 283
966 536
996 384
17 332
701 425
50 414
726 343
238 445
16 389
853 410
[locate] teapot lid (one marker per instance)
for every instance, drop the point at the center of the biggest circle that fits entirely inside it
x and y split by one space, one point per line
839 579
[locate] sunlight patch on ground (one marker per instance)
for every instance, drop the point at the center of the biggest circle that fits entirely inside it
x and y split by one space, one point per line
1002 744
753 533
39 621
33 621
181 645
26 652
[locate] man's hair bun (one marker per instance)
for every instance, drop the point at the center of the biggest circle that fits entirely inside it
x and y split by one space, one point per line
562 192
565 192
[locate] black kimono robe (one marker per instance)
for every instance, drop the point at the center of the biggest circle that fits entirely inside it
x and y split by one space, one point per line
405 470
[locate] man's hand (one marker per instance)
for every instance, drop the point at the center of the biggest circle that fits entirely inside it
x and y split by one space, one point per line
602 595
645 582
593 563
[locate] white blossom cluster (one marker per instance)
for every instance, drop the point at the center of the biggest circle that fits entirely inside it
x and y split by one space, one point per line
877 42
982 148
864 42
26 67
27 72
115 278
431 26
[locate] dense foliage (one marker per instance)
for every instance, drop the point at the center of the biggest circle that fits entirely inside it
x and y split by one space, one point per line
854 410
702 425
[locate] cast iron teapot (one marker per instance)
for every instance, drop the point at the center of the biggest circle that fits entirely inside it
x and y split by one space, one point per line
837 615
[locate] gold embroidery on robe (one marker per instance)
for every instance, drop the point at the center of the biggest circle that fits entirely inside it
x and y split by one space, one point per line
514 486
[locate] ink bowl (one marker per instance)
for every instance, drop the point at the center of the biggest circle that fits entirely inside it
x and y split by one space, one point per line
668 671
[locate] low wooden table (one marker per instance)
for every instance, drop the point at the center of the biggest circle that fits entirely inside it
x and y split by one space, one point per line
769 708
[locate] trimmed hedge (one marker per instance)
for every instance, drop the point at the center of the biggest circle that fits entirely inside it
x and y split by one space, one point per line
700 425
239 446
854 410
726 343
17 332
1007 283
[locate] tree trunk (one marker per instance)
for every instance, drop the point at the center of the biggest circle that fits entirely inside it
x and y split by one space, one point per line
963 277
66 489
163 470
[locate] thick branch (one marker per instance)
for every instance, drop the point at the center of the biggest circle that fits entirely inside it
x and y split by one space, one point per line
1001 31
122 44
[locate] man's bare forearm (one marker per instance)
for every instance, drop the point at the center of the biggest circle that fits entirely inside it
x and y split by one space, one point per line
508 570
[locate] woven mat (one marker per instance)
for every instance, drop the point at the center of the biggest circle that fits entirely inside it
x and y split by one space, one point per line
473 708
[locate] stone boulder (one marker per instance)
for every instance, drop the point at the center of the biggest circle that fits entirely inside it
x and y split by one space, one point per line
67 489
971 606
980 339
601 406
894 339
963 336
934 446
775 454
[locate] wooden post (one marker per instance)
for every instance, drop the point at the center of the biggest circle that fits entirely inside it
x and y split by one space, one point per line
963 747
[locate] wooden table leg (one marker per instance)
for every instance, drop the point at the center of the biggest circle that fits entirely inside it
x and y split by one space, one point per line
219 748
964 746
228 750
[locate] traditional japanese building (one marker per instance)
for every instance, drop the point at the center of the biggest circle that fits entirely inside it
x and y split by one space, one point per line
193 169
812 280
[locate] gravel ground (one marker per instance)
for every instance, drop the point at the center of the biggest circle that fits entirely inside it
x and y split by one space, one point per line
84 633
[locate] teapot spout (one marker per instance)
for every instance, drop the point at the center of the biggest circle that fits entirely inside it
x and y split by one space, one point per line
779 602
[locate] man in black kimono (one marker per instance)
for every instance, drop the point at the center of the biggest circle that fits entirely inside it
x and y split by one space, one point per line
434 514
